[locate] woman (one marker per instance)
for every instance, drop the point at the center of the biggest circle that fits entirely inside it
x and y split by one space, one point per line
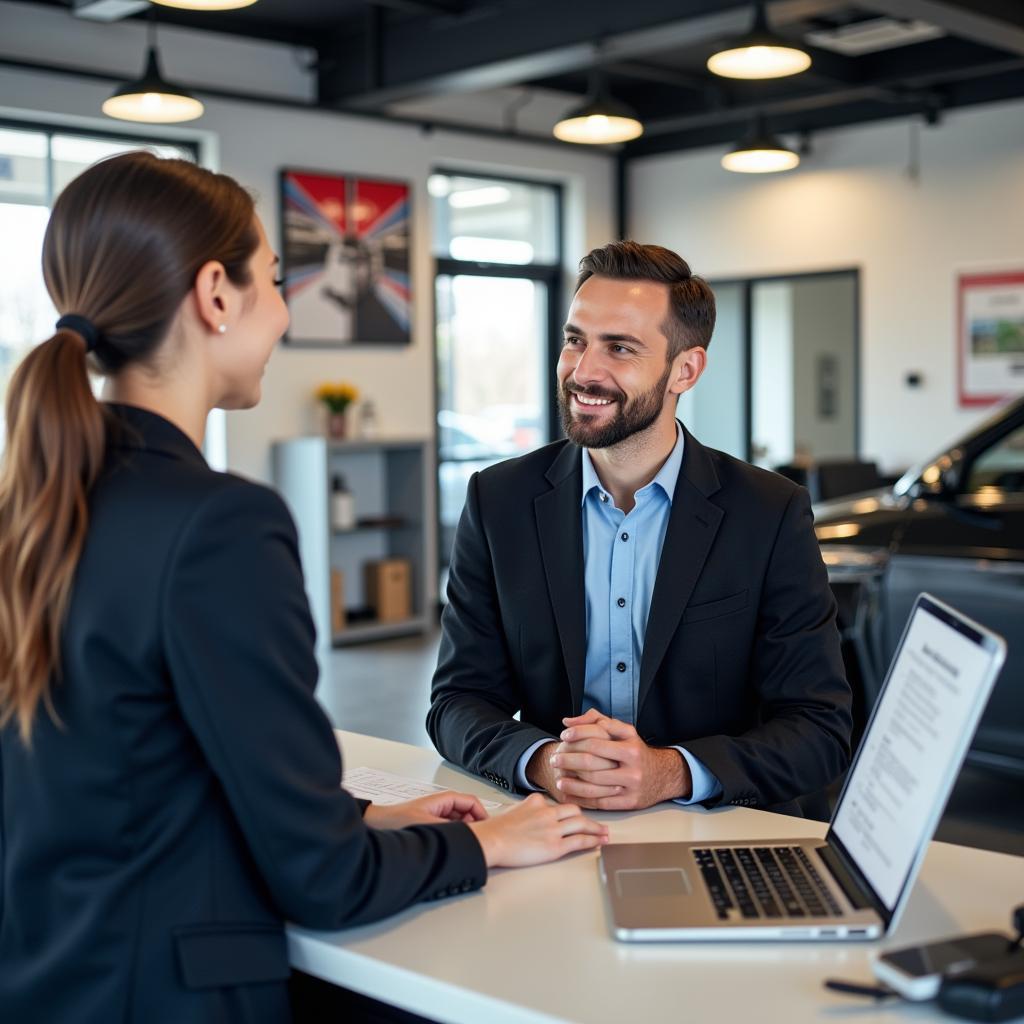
170 788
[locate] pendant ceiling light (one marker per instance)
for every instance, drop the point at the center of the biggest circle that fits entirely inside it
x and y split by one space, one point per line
205 5
600 120
760 153
152 98
759 54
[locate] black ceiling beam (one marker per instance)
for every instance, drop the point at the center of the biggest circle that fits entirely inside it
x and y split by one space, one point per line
508 44
659 89
833 67
944 55
995 23
830 69
236 26
698 95
848 109
647 72
989 90
743 113
725 135
907 79
444 7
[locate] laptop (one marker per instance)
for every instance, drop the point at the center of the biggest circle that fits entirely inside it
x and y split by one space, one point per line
855 884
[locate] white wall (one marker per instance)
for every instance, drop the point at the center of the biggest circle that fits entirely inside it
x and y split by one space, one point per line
852 204
252 142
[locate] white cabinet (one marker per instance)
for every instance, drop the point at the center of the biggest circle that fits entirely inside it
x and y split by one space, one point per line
388 482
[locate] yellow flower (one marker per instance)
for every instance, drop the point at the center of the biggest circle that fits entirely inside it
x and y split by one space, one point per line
337 395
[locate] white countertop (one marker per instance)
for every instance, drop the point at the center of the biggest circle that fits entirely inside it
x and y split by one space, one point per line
533 946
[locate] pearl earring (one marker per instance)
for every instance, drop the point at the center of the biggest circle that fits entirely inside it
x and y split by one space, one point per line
222 328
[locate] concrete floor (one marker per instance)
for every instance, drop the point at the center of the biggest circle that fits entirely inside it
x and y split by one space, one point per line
383 689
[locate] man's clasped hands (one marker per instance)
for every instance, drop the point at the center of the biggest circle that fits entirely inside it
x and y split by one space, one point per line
603 764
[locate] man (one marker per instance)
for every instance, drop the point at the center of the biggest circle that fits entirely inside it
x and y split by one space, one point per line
657 612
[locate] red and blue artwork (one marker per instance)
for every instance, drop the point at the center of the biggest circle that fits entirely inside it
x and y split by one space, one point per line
346 259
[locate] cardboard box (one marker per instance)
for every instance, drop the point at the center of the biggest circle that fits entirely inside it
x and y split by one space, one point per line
338 618
388 585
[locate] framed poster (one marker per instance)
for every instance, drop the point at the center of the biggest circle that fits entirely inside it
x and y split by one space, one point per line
990 337
345 259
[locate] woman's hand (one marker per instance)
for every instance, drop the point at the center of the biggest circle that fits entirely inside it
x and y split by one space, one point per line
426 810
535 832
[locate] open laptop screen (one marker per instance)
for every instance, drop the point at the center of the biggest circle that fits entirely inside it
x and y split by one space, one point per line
928 710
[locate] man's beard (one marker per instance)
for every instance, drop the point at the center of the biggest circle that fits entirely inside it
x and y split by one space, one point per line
633 416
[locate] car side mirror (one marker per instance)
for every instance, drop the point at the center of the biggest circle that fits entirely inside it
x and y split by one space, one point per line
939 480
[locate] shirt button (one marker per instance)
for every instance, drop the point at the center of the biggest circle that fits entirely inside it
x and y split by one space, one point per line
621 666
621 602
625 536
603 496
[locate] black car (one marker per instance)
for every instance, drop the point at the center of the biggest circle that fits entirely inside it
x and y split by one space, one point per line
955 528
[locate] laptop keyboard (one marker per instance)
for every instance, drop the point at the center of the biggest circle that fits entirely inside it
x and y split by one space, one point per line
764 882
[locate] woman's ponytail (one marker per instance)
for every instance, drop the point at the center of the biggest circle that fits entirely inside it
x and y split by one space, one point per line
55 446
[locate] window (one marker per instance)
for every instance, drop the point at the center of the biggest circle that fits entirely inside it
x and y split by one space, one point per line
35 164
498 249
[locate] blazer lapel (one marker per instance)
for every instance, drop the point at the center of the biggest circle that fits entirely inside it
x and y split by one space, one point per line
560 528
692 526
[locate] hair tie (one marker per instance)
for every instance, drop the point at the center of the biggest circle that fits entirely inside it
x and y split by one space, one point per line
80 325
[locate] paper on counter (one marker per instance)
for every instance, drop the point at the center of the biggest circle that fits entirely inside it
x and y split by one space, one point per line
384 788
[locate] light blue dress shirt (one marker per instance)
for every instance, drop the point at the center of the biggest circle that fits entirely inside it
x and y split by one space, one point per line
620 554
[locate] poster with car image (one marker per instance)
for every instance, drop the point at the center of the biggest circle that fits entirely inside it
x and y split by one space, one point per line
991 313
345 256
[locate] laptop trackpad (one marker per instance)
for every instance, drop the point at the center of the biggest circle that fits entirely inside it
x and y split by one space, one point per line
651 883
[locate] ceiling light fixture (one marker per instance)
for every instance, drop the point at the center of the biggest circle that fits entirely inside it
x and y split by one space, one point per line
151 98
600 120
760 153
206 5
759 54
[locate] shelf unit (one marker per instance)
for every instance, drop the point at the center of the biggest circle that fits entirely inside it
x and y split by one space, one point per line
388 481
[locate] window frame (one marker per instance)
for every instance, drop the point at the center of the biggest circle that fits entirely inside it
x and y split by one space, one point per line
49 129
549 274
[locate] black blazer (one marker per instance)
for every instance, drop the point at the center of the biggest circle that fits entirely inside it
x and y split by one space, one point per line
741 660
189 800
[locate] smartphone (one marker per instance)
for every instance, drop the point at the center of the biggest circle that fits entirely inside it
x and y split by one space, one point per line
917 971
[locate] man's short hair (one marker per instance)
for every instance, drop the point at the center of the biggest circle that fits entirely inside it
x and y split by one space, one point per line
691 316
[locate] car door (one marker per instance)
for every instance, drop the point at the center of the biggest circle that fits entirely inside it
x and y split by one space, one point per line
967 548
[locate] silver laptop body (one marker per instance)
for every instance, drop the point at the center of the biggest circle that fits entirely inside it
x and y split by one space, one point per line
855 883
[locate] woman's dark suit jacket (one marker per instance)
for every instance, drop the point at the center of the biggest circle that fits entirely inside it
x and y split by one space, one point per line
189 799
